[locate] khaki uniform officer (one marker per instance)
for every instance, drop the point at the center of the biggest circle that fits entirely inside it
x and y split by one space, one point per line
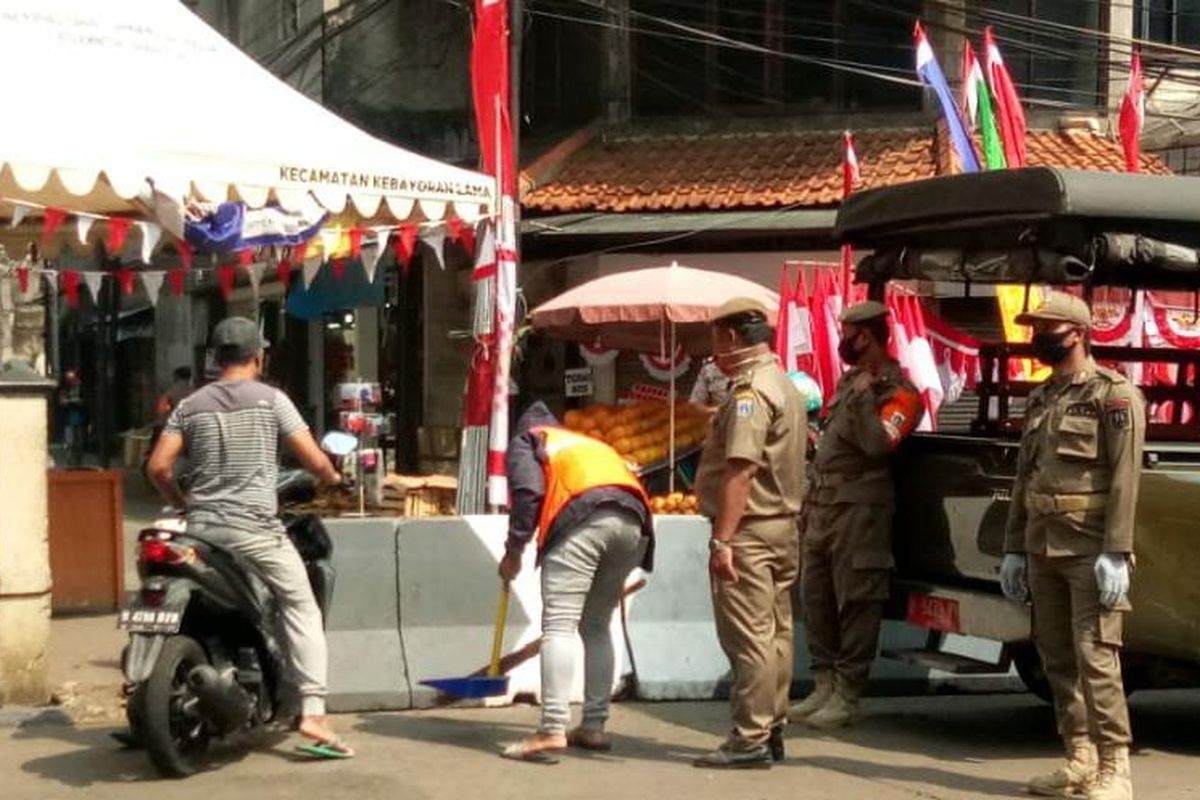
1071 528
848 540
750 483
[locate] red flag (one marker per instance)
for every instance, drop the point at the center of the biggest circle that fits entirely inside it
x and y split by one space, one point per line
283 271
850 173
23 279
1009 112
489 84
1133 115
245 258
226 274
825 307
405 242
300 252
480 380
70 287
176 278
118 232
490 87
925 375
185 253
462 233
850 177
52 219
338 265
783 348
125 278
356 237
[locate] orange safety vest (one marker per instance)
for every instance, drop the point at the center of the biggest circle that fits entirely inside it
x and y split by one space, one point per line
574 465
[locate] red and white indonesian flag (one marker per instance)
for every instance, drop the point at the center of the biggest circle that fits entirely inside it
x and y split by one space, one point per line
826 306
1009 113
850 178
1133 115
911 347
925 374
490 86
793 324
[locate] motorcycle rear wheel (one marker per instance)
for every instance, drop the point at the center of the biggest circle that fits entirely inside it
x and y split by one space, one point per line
175 737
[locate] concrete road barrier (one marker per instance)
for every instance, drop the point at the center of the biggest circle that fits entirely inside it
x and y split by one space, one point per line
367 670
448 593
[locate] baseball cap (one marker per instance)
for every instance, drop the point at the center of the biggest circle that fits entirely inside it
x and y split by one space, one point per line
237 336
861 312
740 305
1059 307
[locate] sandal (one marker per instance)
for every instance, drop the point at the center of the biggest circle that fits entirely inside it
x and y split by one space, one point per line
520 751
326 748
589 739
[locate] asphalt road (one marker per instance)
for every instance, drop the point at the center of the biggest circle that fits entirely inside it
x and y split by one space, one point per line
923 747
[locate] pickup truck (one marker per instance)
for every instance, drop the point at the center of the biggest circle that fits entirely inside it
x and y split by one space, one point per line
1045 227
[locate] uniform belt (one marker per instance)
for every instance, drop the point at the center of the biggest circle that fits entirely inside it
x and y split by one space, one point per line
825 480
1065 503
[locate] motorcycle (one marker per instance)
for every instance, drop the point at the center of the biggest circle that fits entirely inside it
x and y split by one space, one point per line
204 658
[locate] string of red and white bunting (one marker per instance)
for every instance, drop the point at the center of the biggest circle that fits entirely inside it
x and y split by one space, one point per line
334 246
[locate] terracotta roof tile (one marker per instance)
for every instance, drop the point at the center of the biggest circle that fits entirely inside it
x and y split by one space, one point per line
695 172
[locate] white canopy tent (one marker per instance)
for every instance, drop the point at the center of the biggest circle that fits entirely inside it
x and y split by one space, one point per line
138 106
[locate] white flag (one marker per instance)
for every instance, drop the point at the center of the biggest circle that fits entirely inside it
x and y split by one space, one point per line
83 225
152 282
436 239
94 281
255 271
51 277
151 233
20 211
370 258
312 266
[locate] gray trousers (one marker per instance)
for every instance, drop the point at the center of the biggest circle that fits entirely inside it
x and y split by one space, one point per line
583 576
281 568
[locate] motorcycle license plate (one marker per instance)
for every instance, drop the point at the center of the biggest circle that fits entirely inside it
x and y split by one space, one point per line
934 613
149 620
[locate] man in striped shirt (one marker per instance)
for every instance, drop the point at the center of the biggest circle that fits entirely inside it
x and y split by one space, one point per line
230 431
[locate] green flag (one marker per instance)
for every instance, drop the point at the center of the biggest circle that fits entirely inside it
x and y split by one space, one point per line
993 149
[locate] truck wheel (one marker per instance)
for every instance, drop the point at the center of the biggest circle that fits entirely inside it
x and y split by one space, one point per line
1029 667
174 735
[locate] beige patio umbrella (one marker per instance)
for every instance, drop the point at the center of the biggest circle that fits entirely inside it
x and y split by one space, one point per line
653 310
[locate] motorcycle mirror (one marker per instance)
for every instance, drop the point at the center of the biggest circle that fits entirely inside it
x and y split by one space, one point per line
339 444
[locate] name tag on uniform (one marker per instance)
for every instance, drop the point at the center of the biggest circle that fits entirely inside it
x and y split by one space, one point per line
1082 410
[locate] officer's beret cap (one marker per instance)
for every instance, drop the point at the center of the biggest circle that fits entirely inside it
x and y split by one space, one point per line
1059 307
861 312
740 305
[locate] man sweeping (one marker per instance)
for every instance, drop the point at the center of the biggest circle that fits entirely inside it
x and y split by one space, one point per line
588 514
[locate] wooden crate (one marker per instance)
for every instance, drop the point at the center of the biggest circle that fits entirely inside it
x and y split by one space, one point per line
87 540
420 495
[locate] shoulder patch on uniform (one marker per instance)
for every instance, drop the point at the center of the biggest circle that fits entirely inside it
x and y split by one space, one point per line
745 404
1118 417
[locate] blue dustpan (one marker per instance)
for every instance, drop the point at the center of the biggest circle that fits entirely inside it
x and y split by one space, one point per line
493 684
471 688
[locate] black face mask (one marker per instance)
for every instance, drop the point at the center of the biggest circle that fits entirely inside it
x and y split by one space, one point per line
849 352
1049 349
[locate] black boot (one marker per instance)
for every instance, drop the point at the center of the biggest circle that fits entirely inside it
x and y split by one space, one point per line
775 744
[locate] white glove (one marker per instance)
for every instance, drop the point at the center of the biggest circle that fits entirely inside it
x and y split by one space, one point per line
1112 576
1012 577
